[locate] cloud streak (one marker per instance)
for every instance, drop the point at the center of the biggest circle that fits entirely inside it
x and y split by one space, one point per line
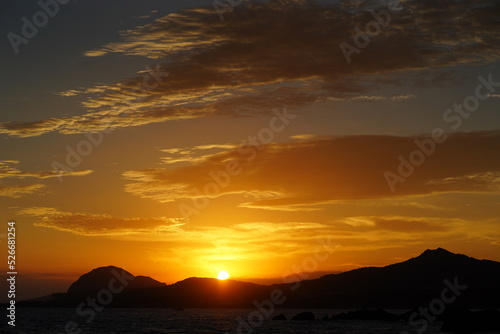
17 191
9 170
252 242
315 171
278 53
100 224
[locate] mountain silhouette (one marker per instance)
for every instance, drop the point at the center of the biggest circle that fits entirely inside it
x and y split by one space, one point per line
409 284
99 279
406 284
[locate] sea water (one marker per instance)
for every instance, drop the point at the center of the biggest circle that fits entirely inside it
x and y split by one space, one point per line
194 321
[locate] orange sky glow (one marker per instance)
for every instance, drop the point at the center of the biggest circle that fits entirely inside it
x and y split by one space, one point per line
186 146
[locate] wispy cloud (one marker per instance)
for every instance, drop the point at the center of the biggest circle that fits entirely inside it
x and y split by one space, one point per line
404 224
369 98
100 224
277 52
9 170
17 191
250 243
314 171
192 154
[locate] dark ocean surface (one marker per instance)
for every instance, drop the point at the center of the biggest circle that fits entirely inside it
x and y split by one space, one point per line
200 321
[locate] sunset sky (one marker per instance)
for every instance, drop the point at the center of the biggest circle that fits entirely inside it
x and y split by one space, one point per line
174 141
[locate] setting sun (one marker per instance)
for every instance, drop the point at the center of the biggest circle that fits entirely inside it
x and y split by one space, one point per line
154 155
223 275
